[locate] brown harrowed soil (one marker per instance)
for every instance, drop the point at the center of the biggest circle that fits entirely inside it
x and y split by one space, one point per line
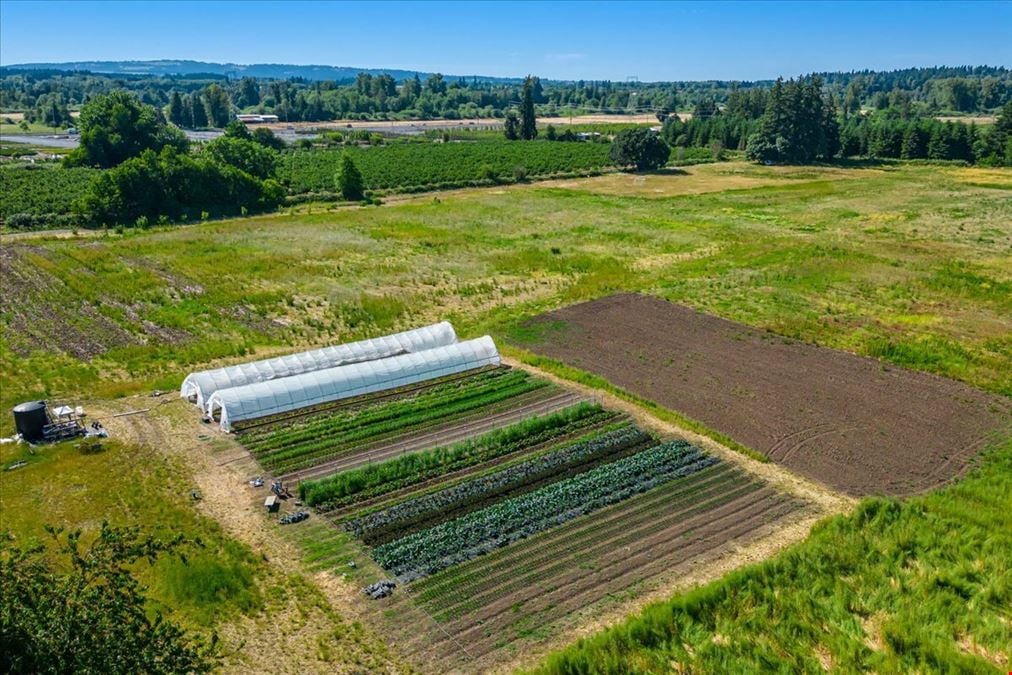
853 423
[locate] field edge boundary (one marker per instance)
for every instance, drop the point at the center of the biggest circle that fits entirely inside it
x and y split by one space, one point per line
656 416
571 374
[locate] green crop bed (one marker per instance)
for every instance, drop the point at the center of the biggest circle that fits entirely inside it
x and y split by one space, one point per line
419 165
466 587
452 542
375 480
42 191
429 510
305 444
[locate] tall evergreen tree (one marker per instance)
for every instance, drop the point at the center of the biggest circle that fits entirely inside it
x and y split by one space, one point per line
528 121
177 111
938 144
348 180
219 109
799 124
511 126
249 92
914 144
198 113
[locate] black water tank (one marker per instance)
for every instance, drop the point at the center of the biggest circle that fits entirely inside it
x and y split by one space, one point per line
30 418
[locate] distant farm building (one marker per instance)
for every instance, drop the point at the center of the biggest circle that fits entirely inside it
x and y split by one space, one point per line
257 119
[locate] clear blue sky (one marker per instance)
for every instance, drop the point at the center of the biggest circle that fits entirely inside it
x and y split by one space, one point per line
567 40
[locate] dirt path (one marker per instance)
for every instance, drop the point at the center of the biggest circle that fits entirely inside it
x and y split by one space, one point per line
289 633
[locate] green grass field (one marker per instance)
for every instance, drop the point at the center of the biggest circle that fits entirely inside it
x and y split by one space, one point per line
898 587
222 587
129 485
907 263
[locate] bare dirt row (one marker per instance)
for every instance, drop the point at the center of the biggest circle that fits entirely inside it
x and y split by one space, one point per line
853 423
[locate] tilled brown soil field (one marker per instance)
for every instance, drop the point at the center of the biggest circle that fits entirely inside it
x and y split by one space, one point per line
853 423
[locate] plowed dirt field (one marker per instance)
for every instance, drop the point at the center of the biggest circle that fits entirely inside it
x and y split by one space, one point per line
853 423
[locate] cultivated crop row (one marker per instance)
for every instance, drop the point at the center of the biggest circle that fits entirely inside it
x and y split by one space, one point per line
467 587
484 571
431 509
42 192
479 532
264 439
262 425
613 572
375 480
419 165
291 448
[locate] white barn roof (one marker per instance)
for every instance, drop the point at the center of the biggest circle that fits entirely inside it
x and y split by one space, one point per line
204 383
320 386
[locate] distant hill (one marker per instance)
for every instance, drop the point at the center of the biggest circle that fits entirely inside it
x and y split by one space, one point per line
271 71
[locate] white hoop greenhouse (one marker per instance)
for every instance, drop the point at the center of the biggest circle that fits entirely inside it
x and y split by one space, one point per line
204 383
321 386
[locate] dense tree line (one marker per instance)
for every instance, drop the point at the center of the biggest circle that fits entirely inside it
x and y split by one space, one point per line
798 122
197 101
894 133
154 176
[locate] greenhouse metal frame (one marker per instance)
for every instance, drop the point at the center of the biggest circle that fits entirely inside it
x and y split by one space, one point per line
200 385
280 395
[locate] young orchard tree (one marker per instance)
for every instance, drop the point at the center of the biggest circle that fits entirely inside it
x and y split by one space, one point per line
348 180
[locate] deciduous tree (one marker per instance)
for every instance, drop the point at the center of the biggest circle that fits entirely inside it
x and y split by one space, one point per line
76 608
116 127
640 148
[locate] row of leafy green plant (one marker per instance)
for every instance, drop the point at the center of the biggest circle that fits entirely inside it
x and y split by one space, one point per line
480 532
263 441
374 480
290 449
416 166
913 585
431 509
537 561
31 196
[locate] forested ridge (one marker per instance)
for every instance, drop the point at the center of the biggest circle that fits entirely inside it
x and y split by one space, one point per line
192 99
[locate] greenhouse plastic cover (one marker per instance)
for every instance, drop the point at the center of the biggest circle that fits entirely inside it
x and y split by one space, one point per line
206 382
320 386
